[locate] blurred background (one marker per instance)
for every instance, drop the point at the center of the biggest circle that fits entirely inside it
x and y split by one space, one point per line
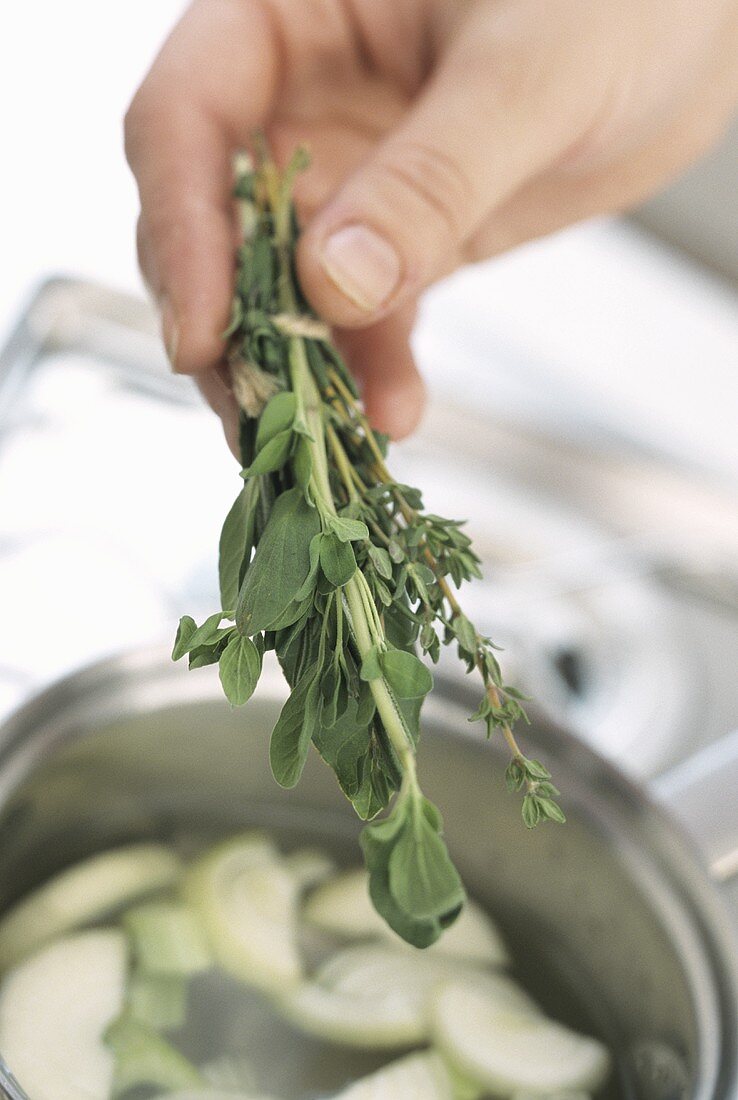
597 463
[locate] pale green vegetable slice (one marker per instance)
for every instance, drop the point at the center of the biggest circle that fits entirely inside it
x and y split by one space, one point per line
247 902
509 1051
167 938
145 1058
157 1000
385 972
421 1076
366 1023
54 1010
568 1095
310 867
342 906
210 1094
85 893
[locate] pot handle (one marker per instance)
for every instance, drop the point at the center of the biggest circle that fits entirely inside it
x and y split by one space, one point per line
702 793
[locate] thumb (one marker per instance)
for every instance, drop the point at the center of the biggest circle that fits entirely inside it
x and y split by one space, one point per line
401 219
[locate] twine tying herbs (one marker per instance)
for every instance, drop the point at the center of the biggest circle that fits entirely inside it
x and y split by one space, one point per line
334 565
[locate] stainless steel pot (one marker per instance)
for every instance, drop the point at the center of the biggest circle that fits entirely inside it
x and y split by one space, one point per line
613 920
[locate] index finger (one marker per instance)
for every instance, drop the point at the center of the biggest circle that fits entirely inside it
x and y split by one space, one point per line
211 85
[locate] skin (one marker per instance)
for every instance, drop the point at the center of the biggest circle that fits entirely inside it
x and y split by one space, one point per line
452 129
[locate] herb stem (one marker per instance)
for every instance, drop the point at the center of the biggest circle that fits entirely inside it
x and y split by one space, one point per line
342 462
411 517
386 705
310 405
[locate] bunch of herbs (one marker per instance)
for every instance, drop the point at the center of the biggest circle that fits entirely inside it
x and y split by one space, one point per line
329 561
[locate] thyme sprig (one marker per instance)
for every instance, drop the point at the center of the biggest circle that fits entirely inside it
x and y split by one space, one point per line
332 563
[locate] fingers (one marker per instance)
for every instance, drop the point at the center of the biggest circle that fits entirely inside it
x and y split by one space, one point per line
476 134
219 397
185 121
559 198
381 359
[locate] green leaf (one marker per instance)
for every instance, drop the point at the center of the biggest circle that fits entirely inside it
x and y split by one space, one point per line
204 655
281 563
406 674
273 455
531 811
302 463
381 560
309 584
348 530
536 769
192 638
371 668
292 613
337 559
277 417
298 721
143 1057
423 880
185 630
240 668
377 842
465 634
551 809
236 543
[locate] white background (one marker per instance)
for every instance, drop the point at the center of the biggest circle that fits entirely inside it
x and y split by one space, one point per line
618 326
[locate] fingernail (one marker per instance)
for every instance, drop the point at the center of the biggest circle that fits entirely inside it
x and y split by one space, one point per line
169 330
364 266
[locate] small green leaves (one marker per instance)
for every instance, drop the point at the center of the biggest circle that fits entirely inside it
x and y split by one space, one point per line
272 456
239 669
337 559
297 723
539 802
465 634
348 530
406 674
236 543
200 640
277 417
412 880
185 630
281 563
423 879
381 560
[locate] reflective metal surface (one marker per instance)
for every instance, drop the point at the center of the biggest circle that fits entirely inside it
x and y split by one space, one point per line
612 921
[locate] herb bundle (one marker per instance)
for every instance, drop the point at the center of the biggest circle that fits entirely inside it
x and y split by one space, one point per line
334 565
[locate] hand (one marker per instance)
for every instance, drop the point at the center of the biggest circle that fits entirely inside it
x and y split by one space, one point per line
441 132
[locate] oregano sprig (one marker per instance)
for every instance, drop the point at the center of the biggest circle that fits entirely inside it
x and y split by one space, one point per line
329 561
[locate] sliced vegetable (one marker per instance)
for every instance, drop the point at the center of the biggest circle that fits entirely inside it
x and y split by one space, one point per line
167 938
366 1023
54 1010
343 907
389 973
210 1094
157 1000
85 893
507 1050
310 867
143 1057
415 1077
551 1095
247 902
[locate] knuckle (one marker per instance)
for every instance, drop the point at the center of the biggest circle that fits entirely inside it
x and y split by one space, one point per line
426 180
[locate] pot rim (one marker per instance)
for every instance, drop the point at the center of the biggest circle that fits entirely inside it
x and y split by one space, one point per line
702 931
